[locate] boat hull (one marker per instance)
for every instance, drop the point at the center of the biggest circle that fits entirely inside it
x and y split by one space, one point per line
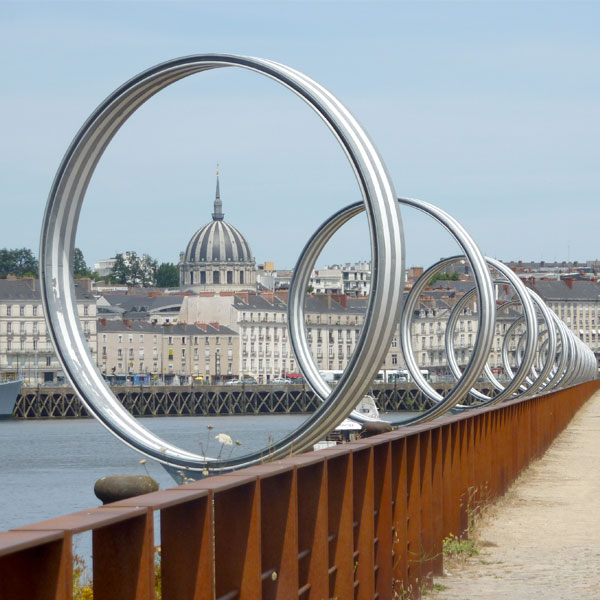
9 391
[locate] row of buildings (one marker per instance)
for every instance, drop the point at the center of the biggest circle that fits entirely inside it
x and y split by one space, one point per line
216 336
228 318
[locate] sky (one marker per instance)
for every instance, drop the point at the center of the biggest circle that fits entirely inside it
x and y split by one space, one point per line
488 110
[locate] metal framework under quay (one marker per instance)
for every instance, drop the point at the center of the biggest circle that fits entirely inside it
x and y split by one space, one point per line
550 357
155 401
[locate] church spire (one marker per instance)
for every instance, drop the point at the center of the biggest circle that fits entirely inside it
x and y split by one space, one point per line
218 214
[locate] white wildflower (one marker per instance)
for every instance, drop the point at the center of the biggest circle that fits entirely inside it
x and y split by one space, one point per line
224 439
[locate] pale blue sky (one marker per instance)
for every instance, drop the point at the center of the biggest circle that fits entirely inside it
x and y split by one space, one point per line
488 110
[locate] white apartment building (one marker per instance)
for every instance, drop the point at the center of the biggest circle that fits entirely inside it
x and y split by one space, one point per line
25 349
206 352
577 303
333 325
350 279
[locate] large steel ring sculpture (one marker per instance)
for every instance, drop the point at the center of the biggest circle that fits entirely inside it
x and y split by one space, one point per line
562 359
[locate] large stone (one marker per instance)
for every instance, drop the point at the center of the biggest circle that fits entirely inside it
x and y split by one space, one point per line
118 487
375 428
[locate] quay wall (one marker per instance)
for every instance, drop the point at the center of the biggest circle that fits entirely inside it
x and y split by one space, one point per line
62 402
362 520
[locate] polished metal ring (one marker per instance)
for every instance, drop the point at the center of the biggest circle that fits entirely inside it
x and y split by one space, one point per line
302 272
58 241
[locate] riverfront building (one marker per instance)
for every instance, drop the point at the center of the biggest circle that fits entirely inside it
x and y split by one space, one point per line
577 303
167 353
333 324
25 348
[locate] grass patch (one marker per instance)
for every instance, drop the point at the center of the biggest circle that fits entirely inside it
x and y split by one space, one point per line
456 548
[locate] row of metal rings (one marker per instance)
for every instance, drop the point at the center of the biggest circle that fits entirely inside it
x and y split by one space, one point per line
562 359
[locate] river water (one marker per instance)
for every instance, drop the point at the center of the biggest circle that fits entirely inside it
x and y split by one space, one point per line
48 467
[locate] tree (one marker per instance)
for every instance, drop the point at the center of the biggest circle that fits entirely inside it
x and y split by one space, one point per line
167 275
130 269
80 269
19 262
453 276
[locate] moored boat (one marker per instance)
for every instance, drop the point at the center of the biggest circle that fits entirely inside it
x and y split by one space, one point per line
9 391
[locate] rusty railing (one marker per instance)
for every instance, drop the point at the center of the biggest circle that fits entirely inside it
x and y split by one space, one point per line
361 520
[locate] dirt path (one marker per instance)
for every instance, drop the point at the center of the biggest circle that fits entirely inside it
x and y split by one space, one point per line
541 540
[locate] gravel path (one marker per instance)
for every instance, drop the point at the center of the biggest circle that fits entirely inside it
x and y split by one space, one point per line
542 539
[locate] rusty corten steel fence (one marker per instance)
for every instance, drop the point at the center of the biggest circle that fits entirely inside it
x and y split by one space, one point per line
361 520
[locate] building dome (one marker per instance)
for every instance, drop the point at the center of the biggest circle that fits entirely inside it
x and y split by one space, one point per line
218 241
217 256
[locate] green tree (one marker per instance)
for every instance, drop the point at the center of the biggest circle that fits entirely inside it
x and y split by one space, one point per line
119 272
167 275
19 262
80 269
454 276
133 270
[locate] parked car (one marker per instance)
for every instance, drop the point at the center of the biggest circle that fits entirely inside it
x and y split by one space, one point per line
247 380
233 382
280 380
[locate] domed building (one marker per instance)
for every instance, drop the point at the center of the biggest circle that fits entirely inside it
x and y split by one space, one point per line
218 257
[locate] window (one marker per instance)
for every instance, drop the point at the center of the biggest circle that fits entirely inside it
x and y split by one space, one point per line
170 341
9 327
120 353
8 345
207 354
230 340
86 310
48 361
22 311
183 354
8 311
394 359
120 339
35 310
216 277
170 354
183 340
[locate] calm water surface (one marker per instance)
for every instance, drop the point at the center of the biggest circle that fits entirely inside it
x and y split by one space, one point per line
48 468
